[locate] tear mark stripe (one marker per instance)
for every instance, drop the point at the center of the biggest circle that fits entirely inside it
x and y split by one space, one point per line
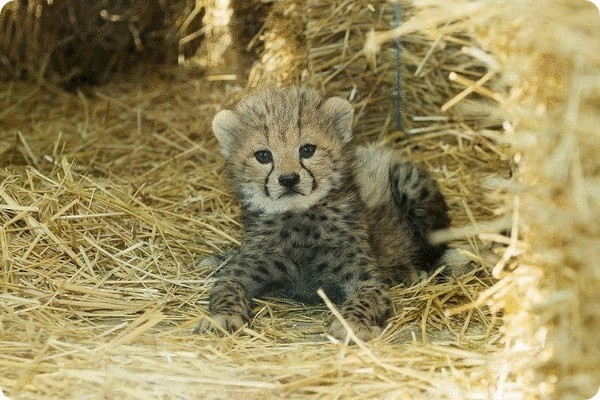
314 181
267 181
300 109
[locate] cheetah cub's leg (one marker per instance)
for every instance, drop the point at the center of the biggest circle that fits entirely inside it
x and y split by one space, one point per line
229 307
365 311
237 283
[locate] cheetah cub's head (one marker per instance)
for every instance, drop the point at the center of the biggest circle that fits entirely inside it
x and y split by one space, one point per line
285 149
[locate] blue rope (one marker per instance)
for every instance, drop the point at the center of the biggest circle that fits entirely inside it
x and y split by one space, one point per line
398 88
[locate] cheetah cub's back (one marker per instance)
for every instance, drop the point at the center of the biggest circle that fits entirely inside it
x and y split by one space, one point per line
319 212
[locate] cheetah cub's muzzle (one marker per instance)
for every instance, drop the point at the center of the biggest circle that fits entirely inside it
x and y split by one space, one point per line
293 176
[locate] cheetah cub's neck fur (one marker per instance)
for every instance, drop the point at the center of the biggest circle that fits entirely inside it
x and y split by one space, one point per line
319 212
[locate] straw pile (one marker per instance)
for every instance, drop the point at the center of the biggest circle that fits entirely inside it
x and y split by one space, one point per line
110 195
552 102
231 34
68 42
108 199
281 46
554 108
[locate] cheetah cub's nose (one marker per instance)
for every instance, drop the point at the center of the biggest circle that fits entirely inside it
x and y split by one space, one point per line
289 180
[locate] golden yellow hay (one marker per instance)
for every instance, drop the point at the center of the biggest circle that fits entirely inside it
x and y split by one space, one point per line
110 195
68 42
552 121
284 49
100 292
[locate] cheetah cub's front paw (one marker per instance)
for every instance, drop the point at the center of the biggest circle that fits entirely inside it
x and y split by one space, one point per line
221 322
361 329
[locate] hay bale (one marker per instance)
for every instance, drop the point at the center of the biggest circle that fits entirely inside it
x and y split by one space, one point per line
218 56
555 112
551 102
283 51
230 29
7 27
72 41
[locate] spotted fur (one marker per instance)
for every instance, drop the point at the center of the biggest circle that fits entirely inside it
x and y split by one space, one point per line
349 220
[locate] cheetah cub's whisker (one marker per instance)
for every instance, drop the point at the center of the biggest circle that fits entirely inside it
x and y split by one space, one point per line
319 212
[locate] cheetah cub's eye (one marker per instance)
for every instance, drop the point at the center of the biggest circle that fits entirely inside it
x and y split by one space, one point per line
263 156
307 150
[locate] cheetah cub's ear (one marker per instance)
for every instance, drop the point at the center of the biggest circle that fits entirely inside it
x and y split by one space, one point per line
225 125
341 113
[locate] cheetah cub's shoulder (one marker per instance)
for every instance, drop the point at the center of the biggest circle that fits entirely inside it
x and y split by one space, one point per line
319 212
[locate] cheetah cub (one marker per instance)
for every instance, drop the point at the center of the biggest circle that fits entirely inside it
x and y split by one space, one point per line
318 212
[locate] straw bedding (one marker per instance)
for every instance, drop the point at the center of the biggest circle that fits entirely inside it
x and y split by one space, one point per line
111 194
107 204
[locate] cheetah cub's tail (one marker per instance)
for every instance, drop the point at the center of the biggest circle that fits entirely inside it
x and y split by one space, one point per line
383 178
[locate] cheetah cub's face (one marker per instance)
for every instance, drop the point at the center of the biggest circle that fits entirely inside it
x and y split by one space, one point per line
285 149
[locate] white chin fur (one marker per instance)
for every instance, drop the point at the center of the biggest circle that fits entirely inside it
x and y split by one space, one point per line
258 201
